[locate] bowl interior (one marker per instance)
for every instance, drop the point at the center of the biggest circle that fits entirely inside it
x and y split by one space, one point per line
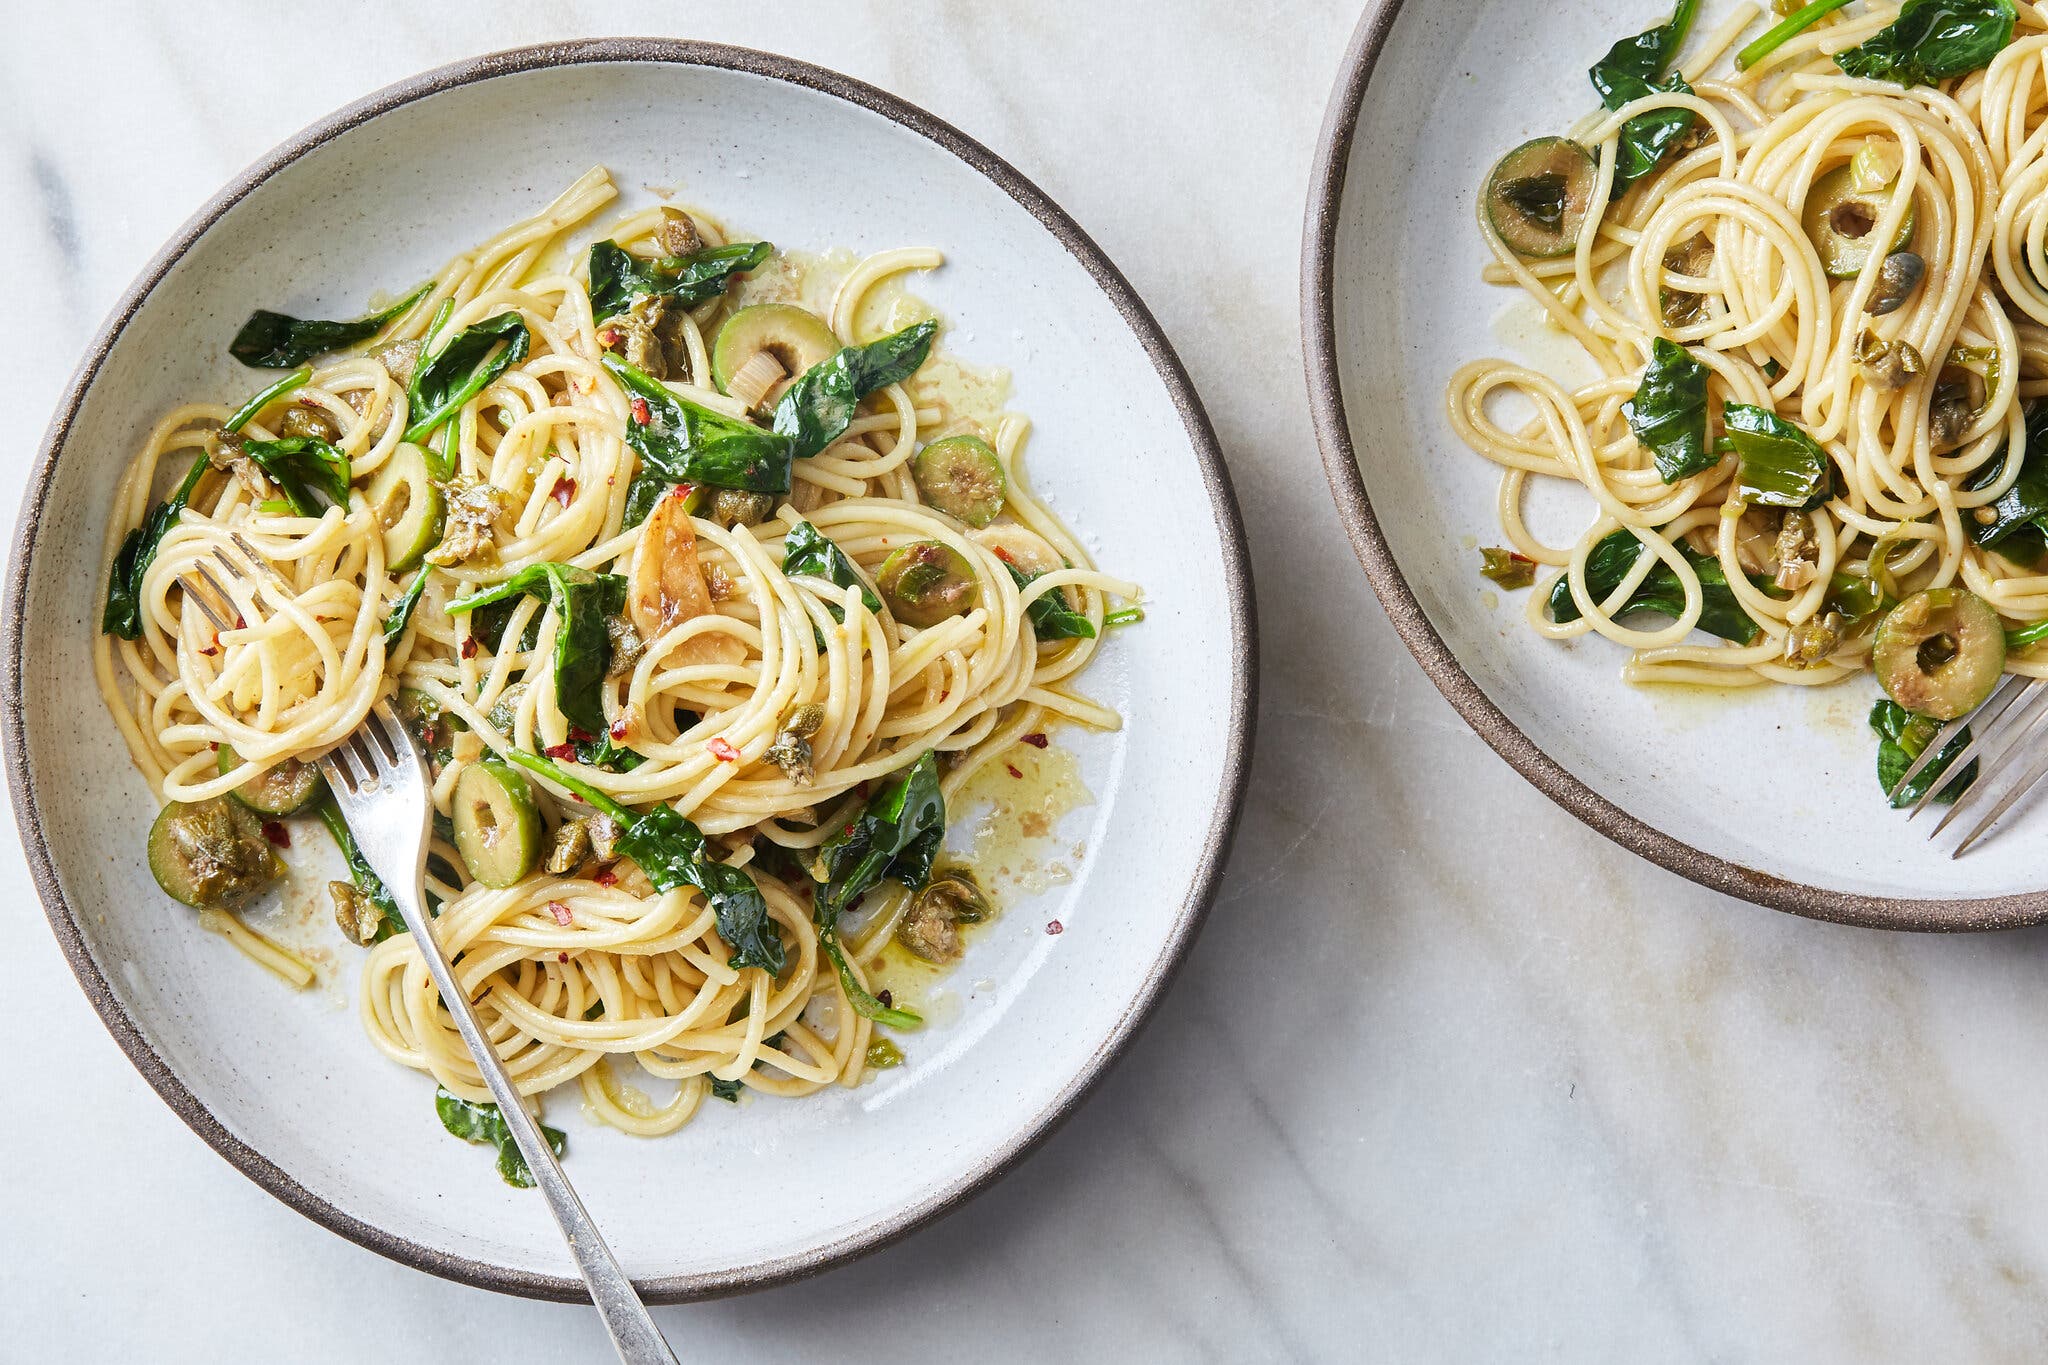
768 1186
1781 780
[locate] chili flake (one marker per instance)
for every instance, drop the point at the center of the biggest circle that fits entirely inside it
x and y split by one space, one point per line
723 751
1035 740
604 876
642 414
565 751
1013 770
564 491
561 914
1055 927
469 646
621 727
275 831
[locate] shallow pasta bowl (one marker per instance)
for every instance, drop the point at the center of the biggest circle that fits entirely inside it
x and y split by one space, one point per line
1770 794
284 1085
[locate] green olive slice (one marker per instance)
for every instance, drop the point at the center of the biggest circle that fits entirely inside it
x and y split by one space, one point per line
961 476
1839 219
496 830
926 582
1940 652
210 853
793 336
1539 194
286 788
408 506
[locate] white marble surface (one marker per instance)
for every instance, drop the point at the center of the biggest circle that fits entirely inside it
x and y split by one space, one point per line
1448 1076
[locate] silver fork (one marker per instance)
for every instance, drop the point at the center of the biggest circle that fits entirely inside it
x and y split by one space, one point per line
379 779
2004 726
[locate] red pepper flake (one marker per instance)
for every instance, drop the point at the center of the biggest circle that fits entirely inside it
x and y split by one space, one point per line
1035 740
561 957
565 751
210 650
1013 770
241 622
579 735
723 751
561 914
609 336
1004 555
642 414
469 646
621 727
604 876
888 1000
564 491
275 831
1055 927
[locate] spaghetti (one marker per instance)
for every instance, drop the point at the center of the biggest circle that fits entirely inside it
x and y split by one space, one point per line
755 669
1818 316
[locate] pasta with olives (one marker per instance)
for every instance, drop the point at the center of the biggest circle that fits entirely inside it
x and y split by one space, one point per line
664 546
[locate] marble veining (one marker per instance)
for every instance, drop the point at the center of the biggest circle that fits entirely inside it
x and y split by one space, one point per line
1448 1077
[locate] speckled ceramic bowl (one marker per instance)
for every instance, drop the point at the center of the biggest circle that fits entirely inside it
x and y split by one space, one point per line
1772 794
285 1086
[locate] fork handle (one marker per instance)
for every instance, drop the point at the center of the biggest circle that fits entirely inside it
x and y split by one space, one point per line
634 1335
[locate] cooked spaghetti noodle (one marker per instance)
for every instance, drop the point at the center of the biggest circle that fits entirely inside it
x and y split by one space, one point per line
1855 257
592 962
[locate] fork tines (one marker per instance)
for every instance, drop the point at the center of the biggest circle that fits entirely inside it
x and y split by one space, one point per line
2003 729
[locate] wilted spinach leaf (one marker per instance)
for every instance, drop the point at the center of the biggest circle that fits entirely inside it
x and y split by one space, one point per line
1902 737
276 341
1610 561
617 277
1669 411
581 600
816 410
1932 40
462 369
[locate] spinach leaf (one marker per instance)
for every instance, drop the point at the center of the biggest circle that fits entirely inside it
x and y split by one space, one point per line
460 370
1932 40
1902 736
2024 506
359 871
729 1091
1669 412
1781 465
673 852
806 550
1660 592
276 341
302 466
581 600
483 1123
402 609
617 277
1051 617
1633 68
122 614
816 410
894 839
682 442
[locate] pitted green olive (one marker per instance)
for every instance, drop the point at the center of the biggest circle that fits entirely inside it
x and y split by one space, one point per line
1940 652
927 582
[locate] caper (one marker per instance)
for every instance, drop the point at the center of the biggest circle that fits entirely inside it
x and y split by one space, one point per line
736 507
926 582
1954 407
930 926
304 421
961 476
1839 219
1897 278
1693 257
1888 364
1808 644
1940 652
678 234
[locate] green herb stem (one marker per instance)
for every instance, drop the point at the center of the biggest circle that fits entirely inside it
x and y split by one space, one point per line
1786 29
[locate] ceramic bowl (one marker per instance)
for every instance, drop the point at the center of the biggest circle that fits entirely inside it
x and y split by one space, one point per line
1770 794
285 1085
